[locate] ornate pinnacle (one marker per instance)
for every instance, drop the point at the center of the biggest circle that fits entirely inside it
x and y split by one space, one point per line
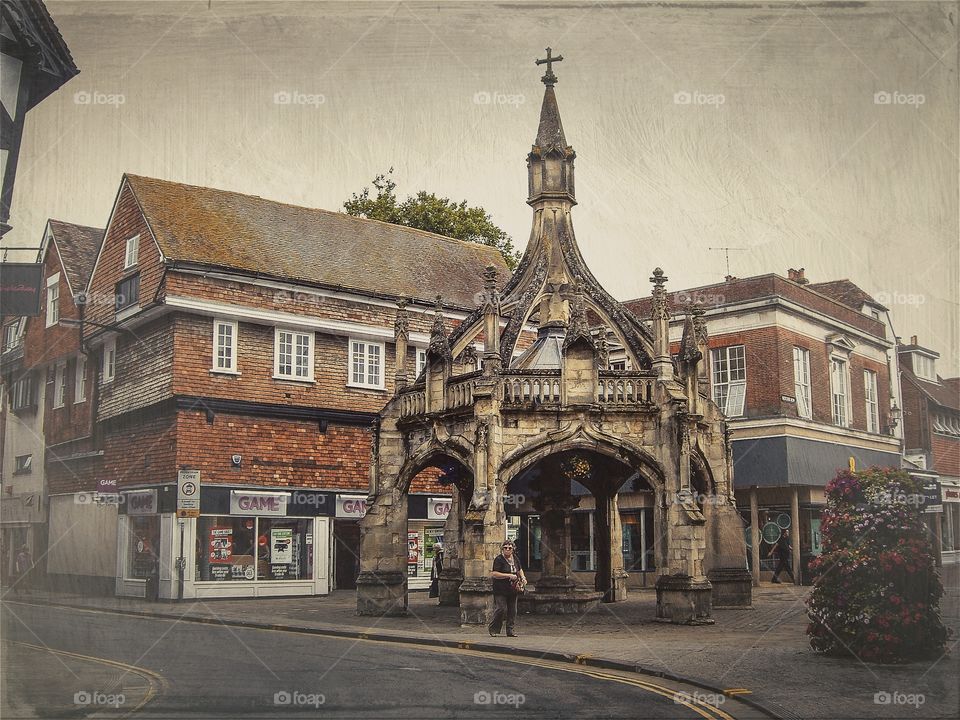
439 343
577 328
491 296
699 324
659 281
603 349
401 326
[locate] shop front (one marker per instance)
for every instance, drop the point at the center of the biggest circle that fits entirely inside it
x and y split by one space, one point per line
426 516
950 520
245 543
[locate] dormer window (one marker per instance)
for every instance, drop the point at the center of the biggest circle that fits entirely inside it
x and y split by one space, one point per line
133 252
924 367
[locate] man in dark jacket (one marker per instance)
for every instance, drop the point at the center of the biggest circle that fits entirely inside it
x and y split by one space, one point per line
508 581
783 551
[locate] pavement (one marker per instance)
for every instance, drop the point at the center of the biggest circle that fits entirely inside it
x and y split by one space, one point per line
763 649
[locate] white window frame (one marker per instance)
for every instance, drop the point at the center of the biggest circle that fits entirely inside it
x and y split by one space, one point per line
871 400
421 360
840 391
618 365
928 365
733 393
109 367
53 299
231 367
366 347
131 255
59 385
801 382
80 379
295 336
23 464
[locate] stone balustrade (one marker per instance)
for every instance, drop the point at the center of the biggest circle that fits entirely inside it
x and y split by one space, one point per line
624 388
540 387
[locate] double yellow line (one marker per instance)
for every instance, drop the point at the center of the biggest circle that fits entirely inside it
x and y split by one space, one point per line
155 681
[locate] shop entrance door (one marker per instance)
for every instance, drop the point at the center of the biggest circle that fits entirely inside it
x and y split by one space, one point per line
346 554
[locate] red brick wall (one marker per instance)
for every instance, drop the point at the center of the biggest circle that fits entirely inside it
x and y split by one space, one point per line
946 454
141 450
44 345
916 421
126 222
72 420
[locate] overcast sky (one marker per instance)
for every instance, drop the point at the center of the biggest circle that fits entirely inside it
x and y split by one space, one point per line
755 126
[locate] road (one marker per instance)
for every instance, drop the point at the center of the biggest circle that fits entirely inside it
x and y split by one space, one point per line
62 662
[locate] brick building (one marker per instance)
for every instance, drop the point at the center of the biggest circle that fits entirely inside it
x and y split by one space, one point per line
802 372
48 430
251 341
931 423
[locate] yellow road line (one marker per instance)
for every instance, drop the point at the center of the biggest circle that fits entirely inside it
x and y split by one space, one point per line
464 647
156 680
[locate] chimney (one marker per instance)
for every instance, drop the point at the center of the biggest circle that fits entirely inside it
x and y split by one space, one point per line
913 340
797 276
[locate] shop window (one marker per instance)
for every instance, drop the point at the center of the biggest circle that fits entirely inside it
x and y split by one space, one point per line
632 540
284 549
582 554
226 548
144 549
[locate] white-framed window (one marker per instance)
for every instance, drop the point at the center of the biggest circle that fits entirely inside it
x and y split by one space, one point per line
53 299
618 364
132 254
729 379
109 368
421 360
80 379
59 385
366 364
801 382
924 367
11 335
838 390
24 393
225 346
293 355
870 396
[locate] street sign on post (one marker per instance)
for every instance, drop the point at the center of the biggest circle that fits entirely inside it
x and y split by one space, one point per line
188 493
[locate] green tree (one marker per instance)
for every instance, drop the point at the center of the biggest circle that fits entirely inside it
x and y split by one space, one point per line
877 593
427 211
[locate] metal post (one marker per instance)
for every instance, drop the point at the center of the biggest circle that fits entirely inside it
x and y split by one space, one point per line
181 562
754 537
795 532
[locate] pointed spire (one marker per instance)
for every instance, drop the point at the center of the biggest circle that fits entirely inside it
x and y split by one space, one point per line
550 132
550 162
439 342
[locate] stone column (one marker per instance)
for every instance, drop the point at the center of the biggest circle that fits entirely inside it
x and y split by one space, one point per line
382 583
611 578
795 532
755 537
554 504
452 574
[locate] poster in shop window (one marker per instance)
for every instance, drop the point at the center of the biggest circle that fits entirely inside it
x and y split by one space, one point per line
221 544
281 546
413 552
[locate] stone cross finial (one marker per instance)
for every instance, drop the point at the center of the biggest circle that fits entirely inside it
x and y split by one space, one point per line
549 79
401 326
659 281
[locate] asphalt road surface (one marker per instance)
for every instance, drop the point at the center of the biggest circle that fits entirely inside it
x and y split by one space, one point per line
61 662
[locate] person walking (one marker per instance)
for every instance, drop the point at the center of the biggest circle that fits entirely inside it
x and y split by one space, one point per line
436 570
22 568
783 551
508 582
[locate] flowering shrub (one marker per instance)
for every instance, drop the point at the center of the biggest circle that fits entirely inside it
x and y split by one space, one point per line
876 594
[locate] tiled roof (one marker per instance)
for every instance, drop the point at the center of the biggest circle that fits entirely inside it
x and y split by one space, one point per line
318 247
946 393
78 246
845 292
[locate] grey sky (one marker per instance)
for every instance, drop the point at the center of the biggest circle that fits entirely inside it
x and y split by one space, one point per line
799 166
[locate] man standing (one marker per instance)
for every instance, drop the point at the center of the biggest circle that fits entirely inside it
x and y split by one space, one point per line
24 564
508 581
783 551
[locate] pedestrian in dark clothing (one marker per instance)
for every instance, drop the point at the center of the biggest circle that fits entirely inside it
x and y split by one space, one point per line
508 581
22 568
783 551
436 570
